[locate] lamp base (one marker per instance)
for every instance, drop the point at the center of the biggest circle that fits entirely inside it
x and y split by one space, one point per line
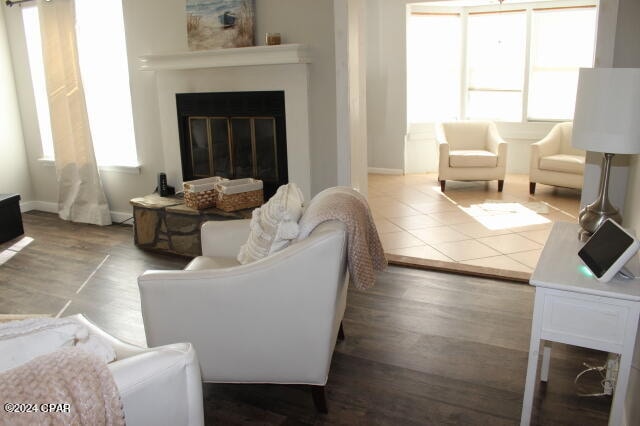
596 213
592 216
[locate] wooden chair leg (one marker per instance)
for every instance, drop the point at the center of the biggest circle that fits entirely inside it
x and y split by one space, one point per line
500 185
532 188
341 332
442 184
319 399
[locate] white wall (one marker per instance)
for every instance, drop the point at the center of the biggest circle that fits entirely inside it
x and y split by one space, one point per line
627 55
14 172
159 26
386 83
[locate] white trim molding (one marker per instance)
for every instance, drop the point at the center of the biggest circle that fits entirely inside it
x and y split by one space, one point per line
49 207
232 57
383 171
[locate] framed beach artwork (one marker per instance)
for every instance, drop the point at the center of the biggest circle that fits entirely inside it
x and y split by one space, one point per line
216 24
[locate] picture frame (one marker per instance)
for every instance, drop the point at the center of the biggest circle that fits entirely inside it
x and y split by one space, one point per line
219 24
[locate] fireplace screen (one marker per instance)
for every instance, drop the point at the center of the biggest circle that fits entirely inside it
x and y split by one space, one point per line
234 138
234 148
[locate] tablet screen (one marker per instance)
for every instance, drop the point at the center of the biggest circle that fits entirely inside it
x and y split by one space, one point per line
604 247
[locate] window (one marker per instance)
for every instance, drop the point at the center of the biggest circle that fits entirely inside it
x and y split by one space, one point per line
556 56
105 76
495 65
438 34
517 64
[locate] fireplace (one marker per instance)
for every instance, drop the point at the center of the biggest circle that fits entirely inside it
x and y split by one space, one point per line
234 135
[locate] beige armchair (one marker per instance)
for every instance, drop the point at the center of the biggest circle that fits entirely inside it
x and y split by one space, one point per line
555 162
470 150
274 320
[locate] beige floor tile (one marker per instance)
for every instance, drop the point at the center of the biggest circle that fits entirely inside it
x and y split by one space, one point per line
510 243
384 225
394 240
539 236
438 234
513 222
478 230
529 258
534 227
466 250
395 209
452 217
415 222
451 225
435 206
499 262
421 252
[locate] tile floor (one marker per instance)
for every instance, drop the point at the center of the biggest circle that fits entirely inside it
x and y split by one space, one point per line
471 225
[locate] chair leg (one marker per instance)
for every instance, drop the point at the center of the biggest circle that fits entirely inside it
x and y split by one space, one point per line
442 184
341 332
319 399
500 185
532 188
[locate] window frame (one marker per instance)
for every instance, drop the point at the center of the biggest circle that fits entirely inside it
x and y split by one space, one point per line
464 11
130 166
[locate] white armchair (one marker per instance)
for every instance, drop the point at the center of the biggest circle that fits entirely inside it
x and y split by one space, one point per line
158 386
470 150
274 320
554 161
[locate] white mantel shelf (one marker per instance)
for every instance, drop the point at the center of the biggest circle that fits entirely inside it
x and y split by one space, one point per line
232 57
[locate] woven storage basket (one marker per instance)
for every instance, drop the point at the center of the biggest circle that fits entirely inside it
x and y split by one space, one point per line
239 194
201 193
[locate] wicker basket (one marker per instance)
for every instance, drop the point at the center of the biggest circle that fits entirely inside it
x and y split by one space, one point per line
201 193
239 194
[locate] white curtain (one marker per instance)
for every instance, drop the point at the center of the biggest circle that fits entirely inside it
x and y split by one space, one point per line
81 197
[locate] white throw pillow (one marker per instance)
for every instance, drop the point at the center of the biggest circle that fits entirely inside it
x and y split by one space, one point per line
21 341
273 225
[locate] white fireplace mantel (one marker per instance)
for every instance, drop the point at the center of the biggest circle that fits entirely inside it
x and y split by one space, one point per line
261 68
232 57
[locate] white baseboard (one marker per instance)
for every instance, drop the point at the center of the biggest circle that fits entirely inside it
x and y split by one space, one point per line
383 171
122 217
45 206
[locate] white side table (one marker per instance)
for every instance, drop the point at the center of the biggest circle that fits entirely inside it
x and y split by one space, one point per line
572 307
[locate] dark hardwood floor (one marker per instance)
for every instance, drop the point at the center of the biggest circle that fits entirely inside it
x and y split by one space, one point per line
421 347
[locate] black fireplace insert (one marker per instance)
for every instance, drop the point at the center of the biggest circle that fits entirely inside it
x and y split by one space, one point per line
234 135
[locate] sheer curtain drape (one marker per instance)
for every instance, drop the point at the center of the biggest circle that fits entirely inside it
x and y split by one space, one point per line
81 197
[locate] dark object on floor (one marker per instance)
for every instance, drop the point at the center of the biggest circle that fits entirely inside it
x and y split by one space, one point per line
10 217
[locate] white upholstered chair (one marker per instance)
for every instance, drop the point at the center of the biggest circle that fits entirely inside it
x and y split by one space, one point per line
274 320
554 161
158 386
470 150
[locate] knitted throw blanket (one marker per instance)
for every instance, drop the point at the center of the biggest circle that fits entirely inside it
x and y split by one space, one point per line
365 255
66 387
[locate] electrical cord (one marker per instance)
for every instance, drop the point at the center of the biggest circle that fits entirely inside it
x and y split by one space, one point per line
607 384
123 222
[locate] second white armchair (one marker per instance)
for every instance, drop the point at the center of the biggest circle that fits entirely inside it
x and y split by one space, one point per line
554 161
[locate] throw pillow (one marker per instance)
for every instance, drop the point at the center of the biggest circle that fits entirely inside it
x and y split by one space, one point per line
273 225
21 341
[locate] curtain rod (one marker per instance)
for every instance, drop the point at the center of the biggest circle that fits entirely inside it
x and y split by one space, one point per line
12 2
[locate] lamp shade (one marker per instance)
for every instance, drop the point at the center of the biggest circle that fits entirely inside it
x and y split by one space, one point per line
607 114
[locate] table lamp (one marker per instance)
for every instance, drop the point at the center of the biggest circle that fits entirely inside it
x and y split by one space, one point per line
607 120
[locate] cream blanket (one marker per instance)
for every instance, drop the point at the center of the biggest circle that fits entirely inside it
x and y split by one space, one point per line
66 387
365 255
